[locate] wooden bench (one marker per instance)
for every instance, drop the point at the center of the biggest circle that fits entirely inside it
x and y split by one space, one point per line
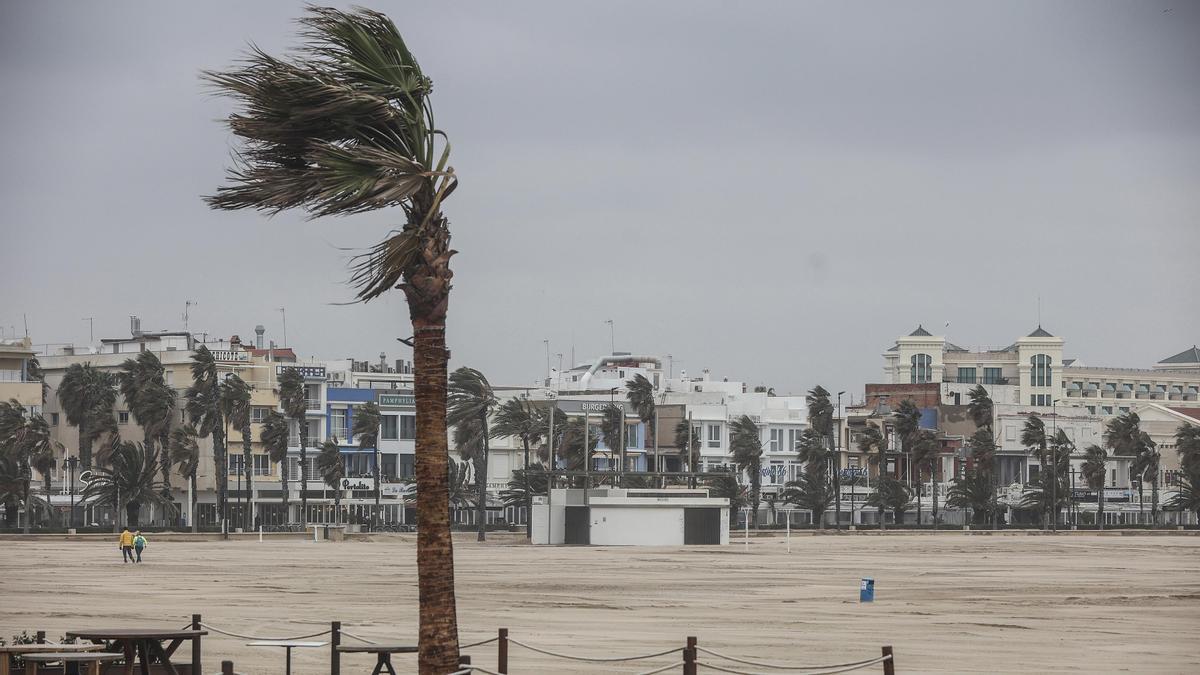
90 659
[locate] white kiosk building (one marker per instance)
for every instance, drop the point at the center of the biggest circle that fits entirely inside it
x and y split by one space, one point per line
631 517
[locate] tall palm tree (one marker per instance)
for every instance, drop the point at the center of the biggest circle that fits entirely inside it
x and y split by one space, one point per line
1124 436
151 402
685 435
973 491
1033 437
813 453
185 453
1145 465
890 494
343 124
810 491
1187 444
820 419
872 443
14 487
612 428
470 402
924 453
520 418
37 449
274 436
87 395
640 393
130 481
332 468
980 409
205 411
570 446
1095 472
1187 496
1062 449
293 398
906 421
745 446
235 406
459 480
366 430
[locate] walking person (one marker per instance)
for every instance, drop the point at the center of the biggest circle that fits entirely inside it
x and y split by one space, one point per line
126 545
139 543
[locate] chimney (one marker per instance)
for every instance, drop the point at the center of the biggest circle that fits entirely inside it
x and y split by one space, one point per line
258 335
135 326
235 342
382 362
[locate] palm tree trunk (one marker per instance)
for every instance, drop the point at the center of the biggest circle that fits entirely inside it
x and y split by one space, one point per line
754 486
438 633
28 504
164 461
481 487
529 490
375 513
933 478
192 506
46 490
248 469
1100 512
85 447
221 451
1154 500
283 481
303 421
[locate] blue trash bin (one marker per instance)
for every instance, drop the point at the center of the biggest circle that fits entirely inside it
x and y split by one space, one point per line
866 590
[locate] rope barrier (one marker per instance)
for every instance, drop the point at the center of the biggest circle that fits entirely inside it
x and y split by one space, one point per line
829 671
663 669
256 637
360 639
777 666
480 643
593 659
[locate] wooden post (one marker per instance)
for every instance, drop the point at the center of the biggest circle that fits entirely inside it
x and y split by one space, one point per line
502 652
889 666
41 637
227 668
689 656
464 660
335 639
196 667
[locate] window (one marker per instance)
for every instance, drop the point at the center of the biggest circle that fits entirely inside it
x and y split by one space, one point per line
921 368
235 464
714 435
387 470
1123 409
53 419
389 429
1039 399
262 465
993 376
1040 376
1091 410
1107 409
793 439
338 427
259 413
122 417
406 466
966 375
776 442
408 427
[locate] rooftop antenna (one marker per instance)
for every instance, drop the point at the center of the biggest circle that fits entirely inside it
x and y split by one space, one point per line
25 319
283 314
187 306
612 343
1039 298
91 334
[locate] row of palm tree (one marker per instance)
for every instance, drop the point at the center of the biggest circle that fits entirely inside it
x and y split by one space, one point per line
25 445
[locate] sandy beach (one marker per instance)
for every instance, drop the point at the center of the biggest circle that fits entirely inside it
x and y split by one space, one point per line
947 603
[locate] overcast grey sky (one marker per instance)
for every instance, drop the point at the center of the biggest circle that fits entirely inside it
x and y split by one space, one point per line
771 190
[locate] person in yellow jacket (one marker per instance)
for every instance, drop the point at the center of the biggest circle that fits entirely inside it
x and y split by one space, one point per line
126 546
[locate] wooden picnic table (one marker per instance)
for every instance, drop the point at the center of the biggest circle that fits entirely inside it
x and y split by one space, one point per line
383 654
8 651
142 645
288 645
70 660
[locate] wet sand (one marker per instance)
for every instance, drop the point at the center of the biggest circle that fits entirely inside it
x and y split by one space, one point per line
947 603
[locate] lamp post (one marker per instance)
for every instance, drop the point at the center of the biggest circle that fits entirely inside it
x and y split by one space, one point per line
837 469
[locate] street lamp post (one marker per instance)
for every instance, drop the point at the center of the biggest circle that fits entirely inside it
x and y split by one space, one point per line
837 469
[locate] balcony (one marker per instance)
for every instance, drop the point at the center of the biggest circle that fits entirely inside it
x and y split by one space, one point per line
313 405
